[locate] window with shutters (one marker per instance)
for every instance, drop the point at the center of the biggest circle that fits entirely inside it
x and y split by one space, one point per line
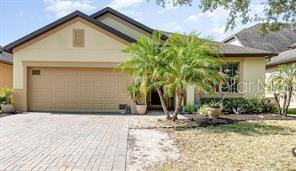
78 38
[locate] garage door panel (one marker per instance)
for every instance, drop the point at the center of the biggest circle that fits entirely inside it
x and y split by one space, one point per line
37 106
74 84
110 107
85 94
44 83
60 106
98 84
42 93
86 83
77 90
110 83
60 94
61 84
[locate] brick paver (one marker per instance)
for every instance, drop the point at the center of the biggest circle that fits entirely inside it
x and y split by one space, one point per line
43 141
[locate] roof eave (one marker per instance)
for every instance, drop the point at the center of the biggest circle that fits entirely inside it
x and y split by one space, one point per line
248 55
125 18
61 21
6 62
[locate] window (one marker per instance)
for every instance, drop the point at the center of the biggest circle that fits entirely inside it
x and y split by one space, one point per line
230 74
35 72
78 38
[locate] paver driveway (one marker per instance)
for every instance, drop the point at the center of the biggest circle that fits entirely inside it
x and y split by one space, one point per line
43 141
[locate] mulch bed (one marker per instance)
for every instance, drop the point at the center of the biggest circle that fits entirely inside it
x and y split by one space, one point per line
204 121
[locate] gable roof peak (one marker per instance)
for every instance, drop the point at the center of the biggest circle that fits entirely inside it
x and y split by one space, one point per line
61 21
125 18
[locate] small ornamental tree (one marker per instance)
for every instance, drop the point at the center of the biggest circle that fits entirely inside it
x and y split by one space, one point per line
282 83
147 62
191 61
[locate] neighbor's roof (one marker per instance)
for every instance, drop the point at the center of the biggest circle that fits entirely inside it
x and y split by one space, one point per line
273 41
283 57
63 20
227 50
5 57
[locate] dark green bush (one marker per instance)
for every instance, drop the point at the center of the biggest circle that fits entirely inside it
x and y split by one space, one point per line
245 105
2 100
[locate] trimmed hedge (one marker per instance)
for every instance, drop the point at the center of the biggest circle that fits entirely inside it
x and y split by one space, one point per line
247 105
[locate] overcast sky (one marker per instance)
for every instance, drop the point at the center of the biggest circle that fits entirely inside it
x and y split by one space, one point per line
21 17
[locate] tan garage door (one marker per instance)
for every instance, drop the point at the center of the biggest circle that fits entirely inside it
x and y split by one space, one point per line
77 90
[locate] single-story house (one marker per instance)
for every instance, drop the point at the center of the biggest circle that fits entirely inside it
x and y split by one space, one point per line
68 65
282 42
5 68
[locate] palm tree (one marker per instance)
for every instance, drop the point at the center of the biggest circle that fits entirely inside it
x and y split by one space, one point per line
283 84
192 61
147 61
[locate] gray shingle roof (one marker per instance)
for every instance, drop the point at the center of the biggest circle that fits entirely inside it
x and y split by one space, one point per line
229 50
283 57
6 57
233 50
273 41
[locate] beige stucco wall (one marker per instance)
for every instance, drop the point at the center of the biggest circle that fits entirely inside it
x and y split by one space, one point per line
252 76
269 71
122 26
5 75
54 49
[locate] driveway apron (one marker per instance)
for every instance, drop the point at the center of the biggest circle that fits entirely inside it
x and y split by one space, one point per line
45 141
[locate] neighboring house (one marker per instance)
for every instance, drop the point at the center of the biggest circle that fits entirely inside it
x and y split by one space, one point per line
282 42
5 69
272 41
69 64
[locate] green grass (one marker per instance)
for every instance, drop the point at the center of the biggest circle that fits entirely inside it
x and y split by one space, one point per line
292 111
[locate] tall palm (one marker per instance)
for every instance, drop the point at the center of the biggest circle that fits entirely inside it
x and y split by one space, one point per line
283 84
146 61
192 61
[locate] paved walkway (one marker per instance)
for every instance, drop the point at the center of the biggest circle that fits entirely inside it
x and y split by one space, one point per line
42 141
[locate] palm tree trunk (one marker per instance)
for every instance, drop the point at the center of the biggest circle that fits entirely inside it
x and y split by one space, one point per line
288 100
277 100
284 104
180 97
164 107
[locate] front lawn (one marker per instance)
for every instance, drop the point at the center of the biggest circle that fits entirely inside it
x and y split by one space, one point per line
248 145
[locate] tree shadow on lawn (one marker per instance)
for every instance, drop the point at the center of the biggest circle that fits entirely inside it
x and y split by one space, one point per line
240 126
248 128
252 128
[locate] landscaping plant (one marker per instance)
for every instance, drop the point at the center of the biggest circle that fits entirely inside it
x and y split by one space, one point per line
190 108
6 100
283 85
147 61
137 94
191 61
242 105
6 95
202 110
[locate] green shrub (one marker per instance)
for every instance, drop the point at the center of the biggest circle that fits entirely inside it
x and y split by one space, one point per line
189 108
202 110
2 100
244 105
